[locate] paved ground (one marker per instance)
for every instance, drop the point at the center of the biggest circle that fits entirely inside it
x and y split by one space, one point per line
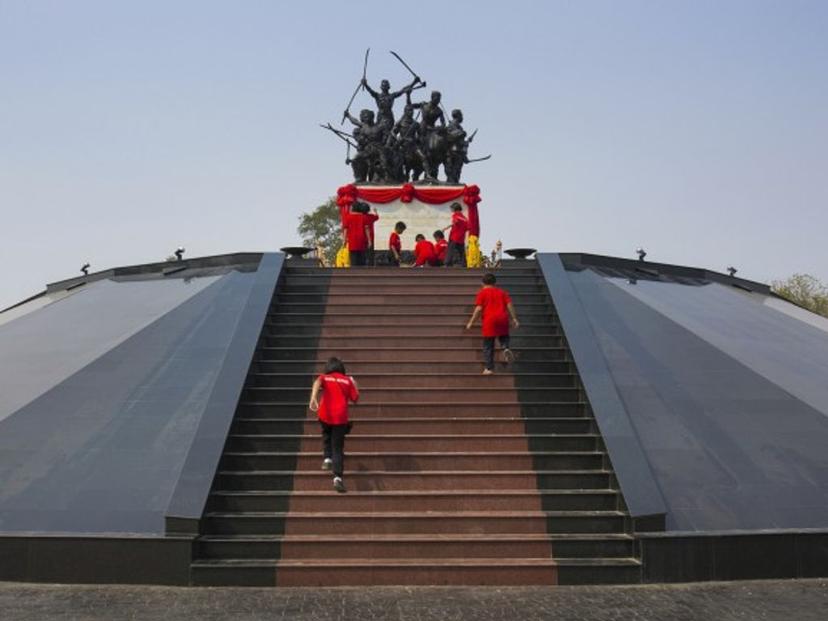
795 600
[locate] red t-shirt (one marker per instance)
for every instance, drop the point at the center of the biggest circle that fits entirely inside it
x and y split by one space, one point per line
370 218
354 224
424 253
337 390
394 242
459 226
441 247
493 301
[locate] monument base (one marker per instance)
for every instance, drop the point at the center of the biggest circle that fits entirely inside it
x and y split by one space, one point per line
424 209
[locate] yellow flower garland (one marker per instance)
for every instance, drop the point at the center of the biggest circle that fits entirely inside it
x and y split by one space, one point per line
343 257
473 256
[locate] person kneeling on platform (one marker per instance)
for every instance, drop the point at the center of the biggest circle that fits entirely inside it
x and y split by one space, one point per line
424 253
395 245
496 306
338 389
440 247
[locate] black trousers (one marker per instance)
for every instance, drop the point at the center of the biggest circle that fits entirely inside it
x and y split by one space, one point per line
488 349
370 256
456 254
358 257
333 445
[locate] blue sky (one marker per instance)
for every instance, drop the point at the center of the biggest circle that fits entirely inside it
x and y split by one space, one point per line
696 129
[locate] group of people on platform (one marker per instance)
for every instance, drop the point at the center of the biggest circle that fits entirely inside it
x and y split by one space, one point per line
334 389
358 234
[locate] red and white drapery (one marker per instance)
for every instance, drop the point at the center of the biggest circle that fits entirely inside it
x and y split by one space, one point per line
348 194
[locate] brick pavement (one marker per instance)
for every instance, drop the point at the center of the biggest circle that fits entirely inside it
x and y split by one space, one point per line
794 600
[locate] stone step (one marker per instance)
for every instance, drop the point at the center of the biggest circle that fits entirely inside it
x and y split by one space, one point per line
407 278
421 380
372 503
469 353
400 331
372 572
408 462
408 318
416 572
505 271
437 288
357 366
469 339
439 426
436 308
412 299
418 522
344 546
366 480
447 397
360 442
398 409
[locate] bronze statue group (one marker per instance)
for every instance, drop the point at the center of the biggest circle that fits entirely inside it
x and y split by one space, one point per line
398 151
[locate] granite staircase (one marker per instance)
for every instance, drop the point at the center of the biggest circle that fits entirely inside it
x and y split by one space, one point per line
453 477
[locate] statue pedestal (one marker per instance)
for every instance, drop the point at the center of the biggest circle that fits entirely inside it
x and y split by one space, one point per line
419 217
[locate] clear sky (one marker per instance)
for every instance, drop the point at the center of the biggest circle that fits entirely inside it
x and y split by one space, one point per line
698 129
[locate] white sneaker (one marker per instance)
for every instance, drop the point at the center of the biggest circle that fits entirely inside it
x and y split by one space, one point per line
509 355
327 463
339 485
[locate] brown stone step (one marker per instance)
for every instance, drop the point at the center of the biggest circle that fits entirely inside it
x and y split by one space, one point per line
421 289
421 380
418 522
413 276
469 339
374 572
528 269
357 366
343 546
434 394
355 461
408 318
386 280
400 331
400 426
318 480
448 572
360 442
436 309
397 409
412 300
468 354
373 502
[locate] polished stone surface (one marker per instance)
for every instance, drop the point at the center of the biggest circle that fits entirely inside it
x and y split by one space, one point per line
802 600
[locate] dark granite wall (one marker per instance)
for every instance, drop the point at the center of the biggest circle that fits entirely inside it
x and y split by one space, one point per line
724 421
103 450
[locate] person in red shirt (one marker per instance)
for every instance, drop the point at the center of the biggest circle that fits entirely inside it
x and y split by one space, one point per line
371 216
496 307
355 232
338 389
456 253
440 247
395 245
424 253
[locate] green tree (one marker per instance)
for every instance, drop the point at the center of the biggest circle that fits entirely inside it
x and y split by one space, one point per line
322 227
804 290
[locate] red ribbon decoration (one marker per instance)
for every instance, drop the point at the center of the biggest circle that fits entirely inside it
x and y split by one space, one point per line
407 193
348 194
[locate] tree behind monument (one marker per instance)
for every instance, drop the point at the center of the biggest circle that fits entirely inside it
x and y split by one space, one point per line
322 227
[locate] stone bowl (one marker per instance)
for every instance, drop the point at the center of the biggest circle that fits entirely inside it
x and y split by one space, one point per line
296 251
520 253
